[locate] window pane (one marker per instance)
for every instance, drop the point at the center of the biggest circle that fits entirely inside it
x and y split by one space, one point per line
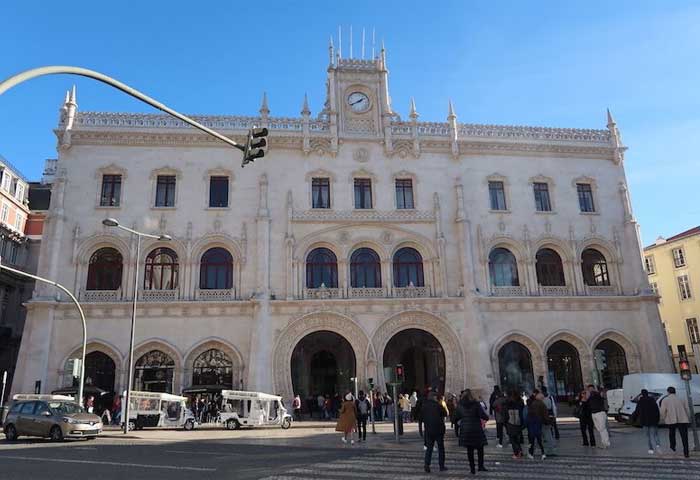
111 190
585 197
497 196
542 203
404 193
363 193
218 192
320 193
165 191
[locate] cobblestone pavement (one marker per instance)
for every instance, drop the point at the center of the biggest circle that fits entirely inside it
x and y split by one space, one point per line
312 450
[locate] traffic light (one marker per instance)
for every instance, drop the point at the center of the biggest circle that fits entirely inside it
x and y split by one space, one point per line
600 359
370 382
684 365
255 145
399 373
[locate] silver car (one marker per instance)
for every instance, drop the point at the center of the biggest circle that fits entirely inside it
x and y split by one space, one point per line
55 419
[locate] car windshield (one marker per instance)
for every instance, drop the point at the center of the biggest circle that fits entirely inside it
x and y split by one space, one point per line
65 408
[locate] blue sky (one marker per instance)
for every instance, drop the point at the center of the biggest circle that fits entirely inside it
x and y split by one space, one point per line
538 63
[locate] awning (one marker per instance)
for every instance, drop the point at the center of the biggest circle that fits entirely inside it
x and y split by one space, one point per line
87 390
205 389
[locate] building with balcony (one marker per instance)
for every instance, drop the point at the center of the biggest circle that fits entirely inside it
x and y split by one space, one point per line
472 254
673 267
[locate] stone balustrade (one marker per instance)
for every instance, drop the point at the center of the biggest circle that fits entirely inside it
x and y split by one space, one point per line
215 294
93 296
158 295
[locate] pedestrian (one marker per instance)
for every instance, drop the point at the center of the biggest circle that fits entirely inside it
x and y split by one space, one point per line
347 419
536 419
470 414
599 415
117 410
321 403
433 417
416 411
514 422
296 406
405 405
551 404
499 414
582 411
90 404
377 400
362 406
413 399
494 395
648 414
674 413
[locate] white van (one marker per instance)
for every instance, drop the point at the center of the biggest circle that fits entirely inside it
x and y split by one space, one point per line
153 409
656 384
616 398
250 409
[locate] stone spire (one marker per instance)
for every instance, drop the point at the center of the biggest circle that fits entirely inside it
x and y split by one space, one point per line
413 114
264 110
615 139
305 108
331 55
611 120
452 121
68 111
451 112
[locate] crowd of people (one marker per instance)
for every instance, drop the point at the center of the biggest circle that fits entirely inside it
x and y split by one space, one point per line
521 419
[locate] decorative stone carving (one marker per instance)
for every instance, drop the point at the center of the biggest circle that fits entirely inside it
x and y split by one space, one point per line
387 237
361 155
363 216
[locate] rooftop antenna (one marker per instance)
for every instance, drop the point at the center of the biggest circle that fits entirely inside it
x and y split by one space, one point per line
363 43
350 41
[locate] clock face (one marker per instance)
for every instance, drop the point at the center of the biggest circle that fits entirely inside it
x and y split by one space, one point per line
358 102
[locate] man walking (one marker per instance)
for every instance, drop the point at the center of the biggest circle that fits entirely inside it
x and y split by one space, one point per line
362 406
551 404
674 411
647 412
500 415
433 415
600 416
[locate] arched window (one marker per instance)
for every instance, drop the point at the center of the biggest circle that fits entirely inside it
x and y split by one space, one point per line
408 268
550 272
321 269
564 370
615 361
154 372
365 269
161 270
515 365
213 367
594 268
216 269
503 268
105 270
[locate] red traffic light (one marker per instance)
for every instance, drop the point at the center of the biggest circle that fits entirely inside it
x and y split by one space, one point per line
685 365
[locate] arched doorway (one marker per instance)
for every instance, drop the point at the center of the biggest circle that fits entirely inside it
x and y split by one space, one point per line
616 363
515 367
100 374
154 372
564 367
322 363
422 357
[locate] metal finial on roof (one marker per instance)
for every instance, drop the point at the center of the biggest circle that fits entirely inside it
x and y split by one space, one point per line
450 110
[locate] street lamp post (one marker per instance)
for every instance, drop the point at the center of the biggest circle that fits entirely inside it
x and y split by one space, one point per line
111 222
80 311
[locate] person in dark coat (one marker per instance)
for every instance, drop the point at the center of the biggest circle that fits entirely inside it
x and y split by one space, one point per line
647 412
585 419
433 416
515 422
469 415
536 419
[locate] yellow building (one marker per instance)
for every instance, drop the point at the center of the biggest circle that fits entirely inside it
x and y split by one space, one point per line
673 266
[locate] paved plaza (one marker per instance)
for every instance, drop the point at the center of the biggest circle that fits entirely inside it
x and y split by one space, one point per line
312 450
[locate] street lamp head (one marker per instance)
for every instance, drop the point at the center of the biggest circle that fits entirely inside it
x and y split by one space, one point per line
110 222
165 238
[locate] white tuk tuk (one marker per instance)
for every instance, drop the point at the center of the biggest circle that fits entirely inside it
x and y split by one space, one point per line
251 409
154 409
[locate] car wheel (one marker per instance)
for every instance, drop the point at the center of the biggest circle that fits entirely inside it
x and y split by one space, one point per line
286 423
11 433
189 424
56 434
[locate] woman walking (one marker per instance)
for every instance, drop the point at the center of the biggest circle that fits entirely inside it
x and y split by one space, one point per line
585 419
469 416
515 423
536 419
347 420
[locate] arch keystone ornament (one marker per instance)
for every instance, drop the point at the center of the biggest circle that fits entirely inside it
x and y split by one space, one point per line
455 374
292 334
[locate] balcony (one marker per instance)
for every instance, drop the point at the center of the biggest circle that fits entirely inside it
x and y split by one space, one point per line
600 290
512 291
159 295
215 294
94 296
365 292
411 292
321 293
554 291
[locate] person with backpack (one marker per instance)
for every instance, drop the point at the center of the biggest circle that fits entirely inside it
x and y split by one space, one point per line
362 406
648 414
499 414
515 422
433 417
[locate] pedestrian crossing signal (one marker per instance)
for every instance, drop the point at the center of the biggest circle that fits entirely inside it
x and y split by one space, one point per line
686 374
399 373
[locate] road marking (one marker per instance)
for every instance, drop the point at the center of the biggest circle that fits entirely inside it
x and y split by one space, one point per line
194 452
117 464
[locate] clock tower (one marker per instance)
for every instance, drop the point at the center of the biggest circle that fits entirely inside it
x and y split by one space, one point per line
357 97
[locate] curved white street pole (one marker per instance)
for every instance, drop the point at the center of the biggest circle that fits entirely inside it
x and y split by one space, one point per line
84 72
80 310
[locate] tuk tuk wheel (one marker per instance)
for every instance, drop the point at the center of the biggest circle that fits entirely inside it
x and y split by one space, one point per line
232 424
189 424
286 423
132 425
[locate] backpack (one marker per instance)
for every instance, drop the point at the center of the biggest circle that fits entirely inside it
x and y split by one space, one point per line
514 417
364 407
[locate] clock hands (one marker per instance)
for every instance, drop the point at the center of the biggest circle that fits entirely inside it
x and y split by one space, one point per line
355 103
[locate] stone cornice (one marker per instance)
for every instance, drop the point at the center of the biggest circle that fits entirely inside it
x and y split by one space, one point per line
573 303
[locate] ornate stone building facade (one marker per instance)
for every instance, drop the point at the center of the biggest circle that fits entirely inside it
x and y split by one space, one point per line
473 254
